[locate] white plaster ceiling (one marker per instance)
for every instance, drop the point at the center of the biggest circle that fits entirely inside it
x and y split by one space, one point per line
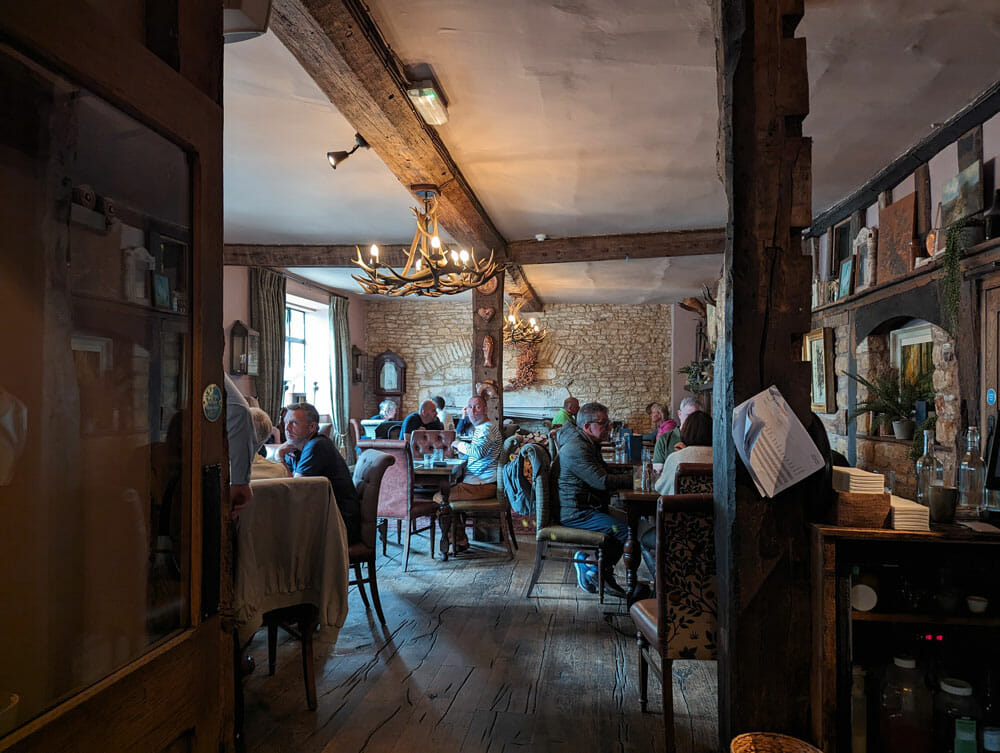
583 117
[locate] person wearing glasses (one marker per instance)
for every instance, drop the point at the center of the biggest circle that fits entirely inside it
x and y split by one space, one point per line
585 485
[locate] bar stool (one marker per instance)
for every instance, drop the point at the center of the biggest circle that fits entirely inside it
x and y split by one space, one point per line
769 742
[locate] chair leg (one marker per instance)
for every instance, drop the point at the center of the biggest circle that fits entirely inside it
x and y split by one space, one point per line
383 529
506 535
600 575
406 545
306 628
667 677
433 526
272 646
510 527
373 585
399 528
643 671
361 584
540 549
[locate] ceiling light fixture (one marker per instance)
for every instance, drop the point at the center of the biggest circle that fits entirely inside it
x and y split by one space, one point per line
427 99
336 158
516 330
432 269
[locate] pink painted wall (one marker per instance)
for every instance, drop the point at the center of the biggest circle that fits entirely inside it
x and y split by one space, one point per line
682 352
236 305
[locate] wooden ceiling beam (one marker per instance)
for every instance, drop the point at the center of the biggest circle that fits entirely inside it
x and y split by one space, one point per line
339 46
302 256
627 246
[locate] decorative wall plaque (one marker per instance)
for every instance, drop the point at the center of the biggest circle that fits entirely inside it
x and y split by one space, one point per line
486 313
488 287
488 344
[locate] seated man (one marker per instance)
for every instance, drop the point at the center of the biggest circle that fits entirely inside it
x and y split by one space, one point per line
386 411
483 454
585 486
666 442
566 414
425 418
308 453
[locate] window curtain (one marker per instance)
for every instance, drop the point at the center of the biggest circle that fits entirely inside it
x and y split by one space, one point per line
267 316
340 374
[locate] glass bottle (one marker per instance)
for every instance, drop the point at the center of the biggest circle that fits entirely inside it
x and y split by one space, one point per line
930 470
971 474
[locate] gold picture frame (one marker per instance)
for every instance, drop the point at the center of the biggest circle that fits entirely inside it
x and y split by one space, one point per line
817 348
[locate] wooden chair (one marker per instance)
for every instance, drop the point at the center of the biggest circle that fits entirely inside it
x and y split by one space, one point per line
356 431
552 536
368 475
491 507
769 742
397 499
680 623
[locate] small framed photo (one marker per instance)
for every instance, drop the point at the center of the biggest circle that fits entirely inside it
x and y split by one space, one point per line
818 350
846 278
161 291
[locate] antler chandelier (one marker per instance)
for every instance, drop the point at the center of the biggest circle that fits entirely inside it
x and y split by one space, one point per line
431 268
516 330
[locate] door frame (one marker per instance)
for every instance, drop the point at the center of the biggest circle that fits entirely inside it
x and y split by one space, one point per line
177 696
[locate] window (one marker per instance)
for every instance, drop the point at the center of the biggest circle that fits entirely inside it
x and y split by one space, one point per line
842 246
911 351
307 353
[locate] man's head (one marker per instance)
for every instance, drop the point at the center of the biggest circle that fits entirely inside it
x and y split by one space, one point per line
592 418
572 405
261 426
477 410
428 411
301 423
387 409
688 406
439 402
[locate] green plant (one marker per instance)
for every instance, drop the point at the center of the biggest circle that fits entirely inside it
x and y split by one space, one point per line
887 395
697 373
951 265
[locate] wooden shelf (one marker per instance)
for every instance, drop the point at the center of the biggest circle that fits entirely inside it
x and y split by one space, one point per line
926 619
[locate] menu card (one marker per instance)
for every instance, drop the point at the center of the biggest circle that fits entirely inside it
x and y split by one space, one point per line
773 443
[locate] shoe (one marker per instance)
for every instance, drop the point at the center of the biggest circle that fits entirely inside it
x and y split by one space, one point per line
461 548
640 592
583 573
611 587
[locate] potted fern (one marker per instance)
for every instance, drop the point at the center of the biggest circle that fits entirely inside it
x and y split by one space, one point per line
890 398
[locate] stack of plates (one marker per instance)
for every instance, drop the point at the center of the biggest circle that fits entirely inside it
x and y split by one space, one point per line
857 481
907 515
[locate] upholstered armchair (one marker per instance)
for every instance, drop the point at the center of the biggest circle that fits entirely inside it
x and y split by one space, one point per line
397 500
553 540
424 441
680 623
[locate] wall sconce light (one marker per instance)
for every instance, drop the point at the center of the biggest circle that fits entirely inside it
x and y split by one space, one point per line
336 158
427 99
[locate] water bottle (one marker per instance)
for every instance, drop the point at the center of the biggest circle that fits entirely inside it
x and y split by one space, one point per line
930 470
906 708
647 476
971 475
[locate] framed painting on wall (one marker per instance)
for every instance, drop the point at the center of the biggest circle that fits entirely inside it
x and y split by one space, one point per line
846 278
895 239
864 255
823 387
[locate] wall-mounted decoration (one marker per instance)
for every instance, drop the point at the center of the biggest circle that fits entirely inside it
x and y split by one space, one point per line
488 345
488 287
823 387
244 348
846 278
137 265
389 376
962 195
486 313
864 255
161 291
895 239
357 364
487 388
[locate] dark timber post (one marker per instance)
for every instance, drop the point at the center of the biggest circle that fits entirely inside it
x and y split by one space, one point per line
487 345
762 544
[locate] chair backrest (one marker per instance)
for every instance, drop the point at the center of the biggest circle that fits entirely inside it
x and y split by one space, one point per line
693 478
384 430
509 448
396 493
368 475
686 593
325 429
427 440
356 430
541 466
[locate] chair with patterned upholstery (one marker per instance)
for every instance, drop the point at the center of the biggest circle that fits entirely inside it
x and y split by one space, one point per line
497 506
425 441
680 623
551 535
397 499
368 474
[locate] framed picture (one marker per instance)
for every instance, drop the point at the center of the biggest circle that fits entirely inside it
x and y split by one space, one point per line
357 364
864 255
962 195
161 291
846 278
819 352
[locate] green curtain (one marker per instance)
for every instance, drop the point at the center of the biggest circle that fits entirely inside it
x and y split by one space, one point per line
267 316
340 374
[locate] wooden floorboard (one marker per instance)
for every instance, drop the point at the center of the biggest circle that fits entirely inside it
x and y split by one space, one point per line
466 663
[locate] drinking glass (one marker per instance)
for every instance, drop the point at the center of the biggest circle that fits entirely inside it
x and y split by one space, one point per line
438 454
428 460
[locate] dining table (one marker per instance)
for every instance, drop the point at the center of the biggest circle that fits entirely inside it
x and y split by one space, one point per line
443 474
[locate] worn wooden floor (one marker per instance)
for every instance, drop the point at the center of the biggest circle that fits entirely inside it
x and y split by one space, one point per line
467 664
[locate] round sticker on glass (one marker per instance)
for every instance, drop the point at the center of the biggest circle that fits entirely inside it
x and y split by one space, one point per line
991 396
211 402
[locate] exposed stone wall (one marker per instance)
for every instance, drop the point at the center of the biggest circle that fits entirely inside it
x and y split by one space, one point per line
618 355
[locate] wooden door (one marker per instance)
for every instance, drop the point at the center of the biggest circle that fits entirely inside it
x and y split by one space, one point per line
111 476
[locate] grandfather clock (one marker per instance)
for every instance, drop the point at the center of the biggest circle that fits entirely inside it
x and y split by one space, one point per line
389 377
